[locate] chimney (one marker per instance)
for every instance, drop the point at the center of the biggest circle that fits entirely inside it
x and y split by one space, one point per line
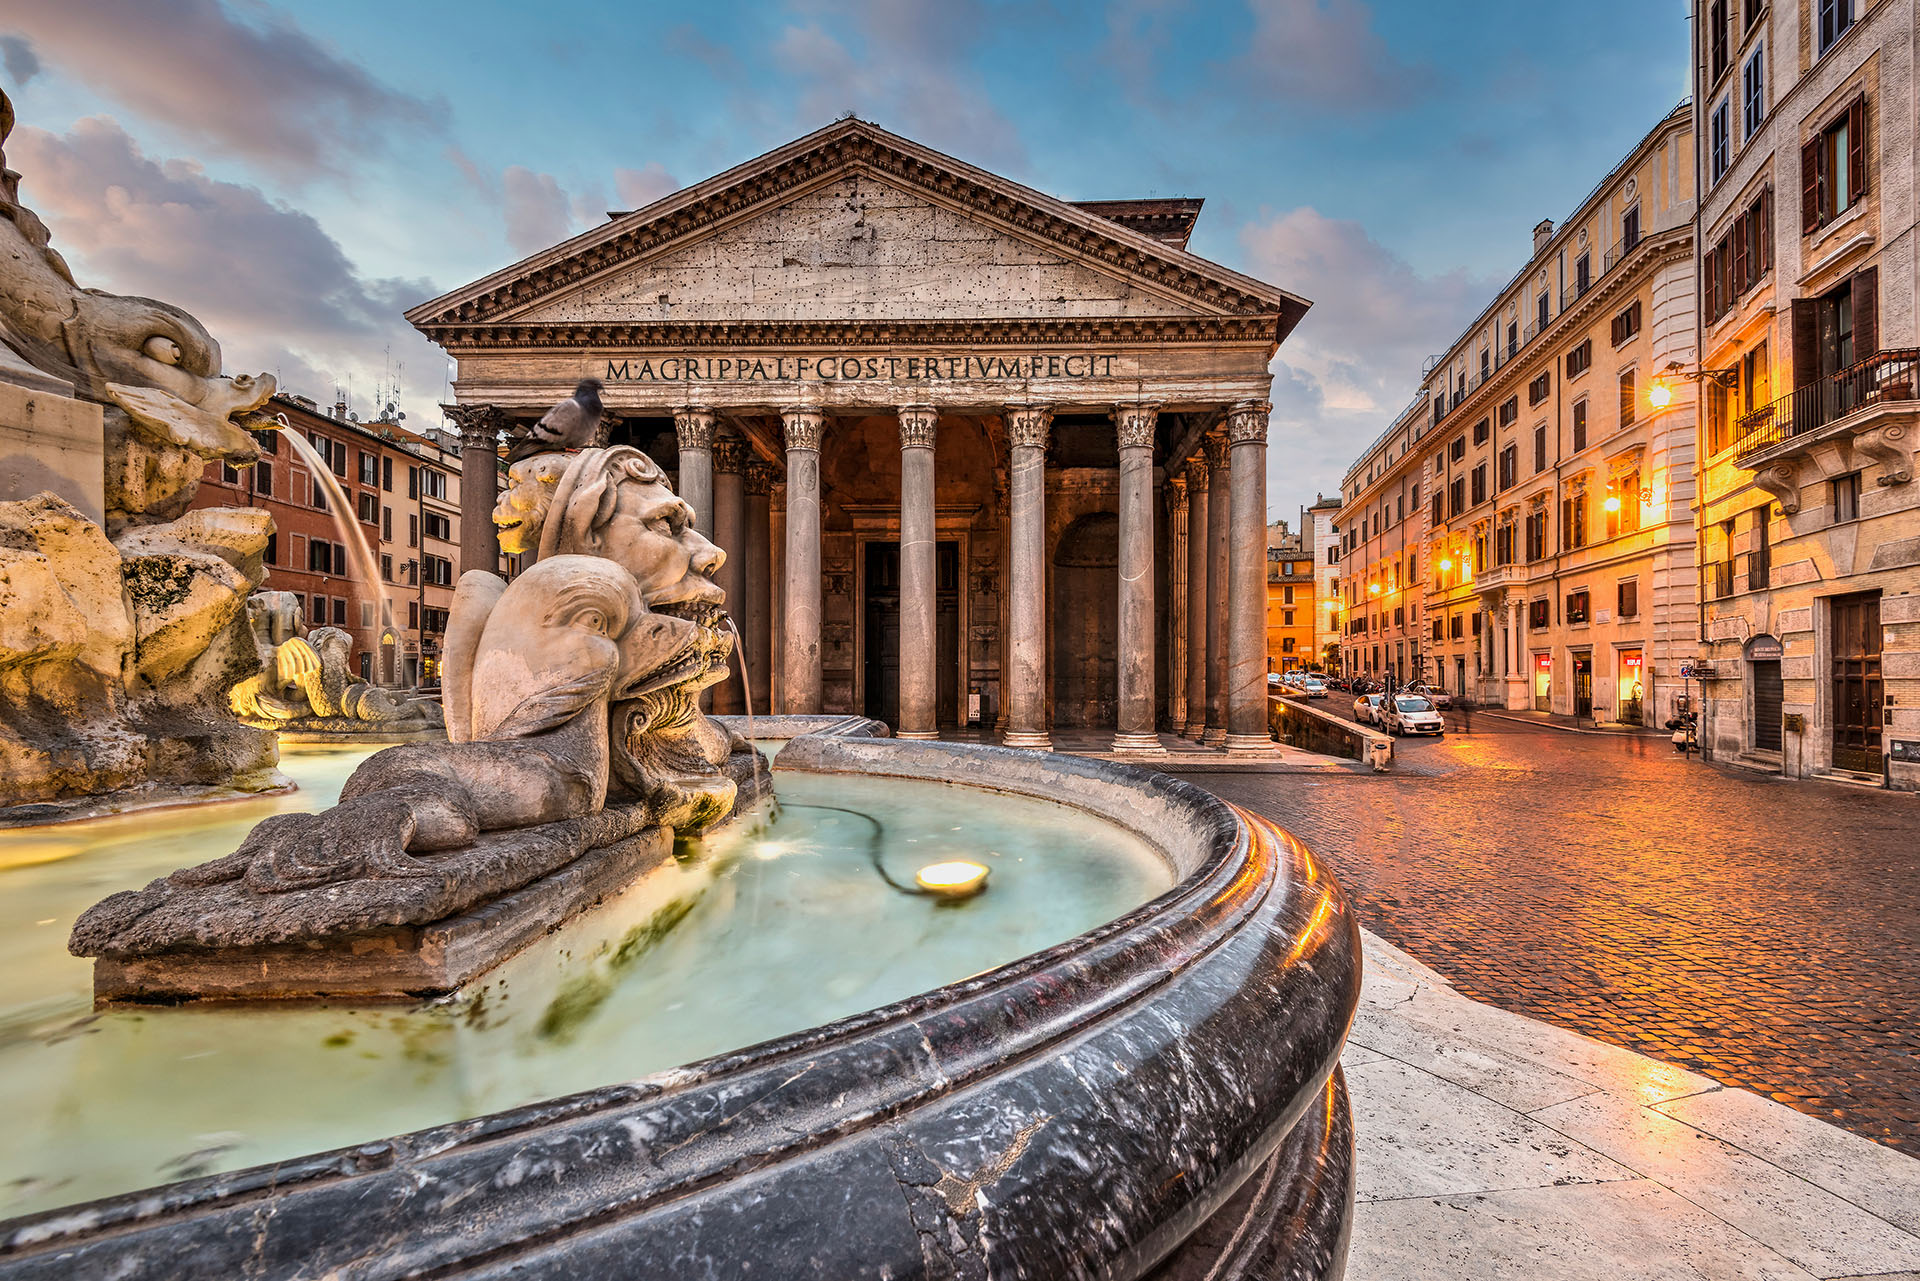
1541 235
340 408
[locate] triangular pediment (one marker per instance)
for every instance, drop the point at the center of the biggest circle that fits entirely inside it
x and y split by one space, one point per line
854 225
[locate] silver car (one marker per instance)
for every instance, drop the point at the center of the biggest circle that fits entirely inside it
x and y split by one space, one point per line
1366 708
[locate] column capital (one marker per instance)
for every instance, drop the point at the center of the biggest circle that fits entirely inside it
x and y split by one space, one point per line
480 425
1176 496
730 454
1247 422
1028 425
1197 473
918 423
803 426
760 476
693 425
1215 445
1135 424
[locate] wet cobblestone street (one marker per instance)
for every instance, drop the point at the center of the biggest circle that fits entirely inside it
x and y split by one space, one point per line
1763 933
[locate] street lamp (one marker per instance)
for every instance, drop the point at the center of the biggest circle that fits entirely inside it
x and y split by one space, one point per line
1660 393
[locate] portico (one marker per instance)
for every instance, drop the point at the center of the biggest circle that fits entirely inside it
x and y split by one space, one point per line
964 407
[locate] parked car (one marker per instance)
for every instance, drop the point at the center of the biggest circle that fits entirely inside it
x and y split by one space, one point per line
1433 694
1274 679
1408 713
1366 707
1313 687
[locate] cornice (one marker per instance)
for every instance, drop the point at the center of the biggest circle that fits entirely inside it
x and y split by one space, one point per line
643 335
857 147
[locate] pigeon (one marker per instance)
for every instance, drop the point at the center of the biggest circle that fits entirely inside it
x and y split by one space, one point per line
574 423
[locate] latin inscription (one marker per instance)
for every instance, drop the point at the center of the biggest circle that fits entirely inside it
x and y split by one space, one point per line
826 369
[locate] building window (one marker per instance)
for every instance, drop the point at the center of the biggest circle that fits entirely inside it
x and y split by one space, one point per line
1538 389
1537 535
1454 629
1457 496
1582 274
1756 379
1753 92
263 478
1457 449
1509 412
1509 467
1722 153
1286 618
438 571
1287 599
1626 324
1717 39
1627 598
386 567
339 611
366 613
413 482
1576 607
1846 497
1629 230
272 554
413 615
1740 259
386 524
1439 511
1479 484
319 494
1438 633
1627 490
386 474
369 508
1834 19
1579 359
1573 520
439 526
1540 449
413 530
1486 364
369 469
1541 308
1537 614
1513 339
1481 430
1579 425
1626 398
319 615
1503 544
1760 559
433 621
434 483
229 474
1833 168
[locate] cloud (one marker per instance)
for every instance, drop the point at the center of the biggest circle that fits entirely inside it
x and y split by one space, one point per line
19 61
262 90
537 210
903 65
1325 54
1354 362
272 286
639 188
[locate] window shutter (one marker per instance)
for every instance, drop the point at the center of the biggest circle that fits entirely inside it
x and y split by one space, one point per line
1763 233
1739 257
1810 186
1857 149
1866 313
1806 343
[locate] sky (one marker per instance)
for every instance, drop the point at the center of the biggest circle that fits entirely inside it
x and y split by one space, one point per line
297 174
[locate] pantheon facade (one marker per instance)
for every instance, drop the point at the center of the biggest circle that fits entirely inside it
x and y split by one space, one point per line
978 458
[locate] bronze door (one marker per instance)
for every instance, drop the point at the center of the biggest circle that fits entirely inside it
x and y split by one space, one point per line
883 633
1583 685
1857 691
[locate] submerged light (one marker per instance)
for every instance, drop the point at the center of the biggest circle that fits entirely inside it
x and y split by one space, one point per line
957 879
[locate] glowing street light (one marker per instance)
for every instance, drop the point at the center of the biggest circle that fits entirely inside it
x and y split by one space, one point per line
1660 395
1613 503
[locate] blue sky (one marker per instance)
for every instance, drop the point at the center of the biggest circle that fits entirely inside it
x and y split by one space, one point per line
299 173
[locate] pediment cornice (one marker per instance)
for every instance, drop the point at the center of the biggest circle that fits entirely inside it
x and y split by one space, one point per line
854 146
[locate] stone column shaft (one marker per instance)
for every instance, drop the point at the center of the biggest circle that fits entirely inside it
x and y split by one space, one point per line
480 429
1027 428
1247 586
693 426
1197 611
919 677
757 572
730 532
1135 732
802 675
1219 538
1177 603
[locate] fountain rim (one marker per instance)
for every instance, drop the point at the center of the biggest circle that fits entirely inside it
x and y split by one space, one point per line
1246 869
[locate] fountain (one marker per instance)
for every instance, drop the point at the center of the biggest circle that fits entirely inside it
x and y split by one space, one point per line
589 990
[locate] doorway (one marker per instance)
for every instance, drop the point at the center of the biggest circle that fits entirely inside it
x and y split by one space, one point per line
1857 690
1583 686
881 616
1767 697
1632 687
1086 624
1542 683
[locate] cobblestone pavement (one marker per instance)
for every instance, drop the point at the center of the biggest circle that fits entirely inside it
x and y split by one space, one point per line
1763 933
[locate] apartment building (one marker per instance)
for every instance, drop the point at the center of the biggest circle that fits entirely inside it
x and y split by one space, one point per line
402 492
1559 565
1809 517
1382 548
1320 525
1290 612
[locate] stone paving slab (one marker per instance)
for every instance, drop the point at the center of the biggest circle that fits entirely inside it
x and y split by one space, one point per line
1455 1181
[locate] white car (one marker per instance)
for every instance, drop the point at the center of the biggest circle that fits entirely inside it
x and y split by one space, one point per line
1433 694
1366 708
1312 687
1412 714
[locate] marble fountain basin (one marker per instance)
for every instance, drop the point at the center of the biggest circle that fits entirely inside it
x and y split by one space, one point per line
1119 1061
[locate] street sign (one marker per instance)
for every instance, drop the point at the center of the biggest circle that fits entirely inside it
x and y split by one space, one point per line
1693 669
1906 751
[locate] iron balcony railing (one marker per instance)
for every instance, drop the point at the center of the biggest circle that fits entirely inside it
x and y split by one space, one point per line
1621 249
1883 377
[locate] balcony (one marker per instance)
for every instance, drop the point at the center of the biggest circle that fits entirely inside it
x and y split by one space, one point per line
1620 250
1870 406
1498 579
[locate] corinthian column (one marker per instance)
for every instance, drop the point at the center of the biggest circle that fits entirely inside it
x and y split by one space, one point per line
801 670
480 428
693 426
756 571
1219 481
1027 428
729 531
1177 602
1197 612
919 679
1247 583
1135 732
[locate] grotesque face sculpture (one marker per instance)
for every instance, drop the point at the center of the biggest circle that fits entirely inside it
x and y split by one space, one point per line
616 503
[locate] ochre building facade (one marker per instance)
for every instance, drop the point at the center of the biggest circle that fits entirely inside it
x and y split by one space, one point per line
977 456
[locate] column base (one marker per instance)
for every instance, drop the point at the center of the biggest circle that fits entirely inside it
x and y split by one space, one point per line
1138 745
921 735
1250 745
1216 736
1196 730
1033 741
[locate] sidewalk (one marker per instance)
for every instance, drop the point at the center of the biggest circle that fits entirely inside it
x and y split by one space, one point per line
1553 720
1494 1145
1183 755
